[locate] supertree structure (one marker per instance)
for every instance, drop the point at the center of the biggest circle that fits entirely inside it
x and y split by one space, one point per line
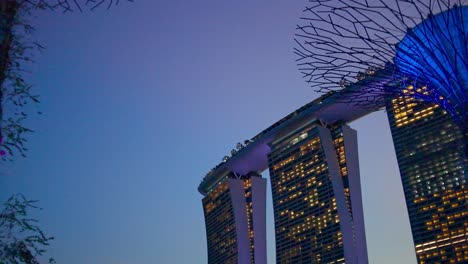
387 43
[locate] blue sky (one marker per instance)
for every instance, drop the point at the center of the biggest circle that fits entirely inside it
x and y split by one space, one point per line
142 100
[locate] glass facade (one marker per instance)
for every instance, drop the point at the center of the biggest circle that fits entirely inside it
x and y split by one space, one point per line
431 155
307 198
220 225
249 210
230 219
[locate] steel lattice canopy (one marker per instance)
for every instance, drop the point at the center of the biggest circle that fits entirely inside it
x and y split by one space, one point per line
436 52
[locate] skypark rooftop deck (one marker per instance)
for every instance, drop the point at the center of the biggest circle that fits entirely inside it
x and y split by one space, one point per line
343 106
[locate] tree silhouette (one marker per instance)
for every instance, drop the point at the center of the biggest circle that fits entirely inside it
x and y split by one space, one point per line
68 5
21 239
17 49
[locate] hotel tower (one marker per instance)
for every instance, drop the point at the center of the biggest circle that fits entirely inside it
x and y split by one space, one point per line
235 220
317 196
431 155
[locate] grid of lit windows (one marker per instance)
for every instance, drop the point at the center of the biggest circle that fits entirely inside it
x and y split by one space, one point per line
431 157
248 208
306 218
220 225
338 141
220 221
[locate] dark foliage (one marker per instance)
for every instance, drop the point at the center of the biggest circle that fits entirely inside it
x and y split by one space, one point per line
69 5
17 50
21 239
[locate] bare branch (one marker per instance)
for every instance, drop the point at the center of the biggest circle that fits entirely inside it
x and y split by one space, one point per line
68 5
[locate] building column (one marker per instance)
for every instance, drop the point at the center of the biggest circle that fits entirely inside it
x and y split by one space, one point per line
338 190
239 205
259 219
352 164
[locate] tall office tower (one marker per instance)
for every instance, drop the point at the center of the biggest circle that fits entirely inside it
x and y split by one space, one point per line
432 159
317 201
235 218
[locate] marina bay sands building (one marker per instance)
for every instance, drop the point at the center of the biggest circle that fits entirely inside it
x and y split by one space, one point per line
312 158
313 161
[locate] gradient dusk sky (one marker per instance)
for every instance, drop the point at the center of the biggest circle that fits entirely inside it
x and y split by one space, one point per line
142 100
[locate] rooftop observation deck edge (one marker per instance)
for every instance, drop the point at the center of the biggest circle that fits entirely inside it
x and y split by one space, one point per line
342 106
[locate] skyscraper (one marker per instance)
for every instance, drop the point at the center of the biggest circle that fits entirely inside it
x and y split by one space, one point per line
431 155
316 196
235 216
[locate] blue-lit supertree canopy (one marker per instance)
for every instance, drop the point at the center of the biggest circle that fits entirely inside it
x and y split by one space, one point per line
340 42
435 52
